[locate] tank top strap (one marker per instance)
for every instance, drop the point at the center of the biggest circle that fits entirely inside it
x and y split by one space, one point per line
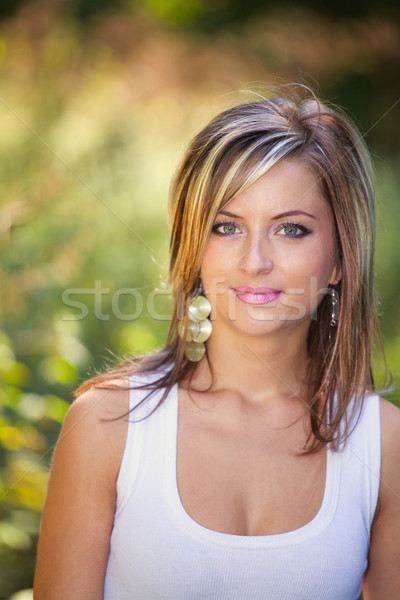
362 464
144 433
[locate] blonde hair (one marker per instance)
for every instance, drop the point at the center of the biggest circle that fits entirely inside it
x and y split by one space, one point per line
236 148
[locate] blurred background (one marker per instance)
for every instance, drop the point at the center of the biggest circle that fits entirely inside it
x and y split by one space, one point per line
97 101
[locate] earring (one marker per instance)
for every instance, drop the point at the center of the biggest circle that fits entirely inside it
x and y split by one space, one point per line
335 308
199 328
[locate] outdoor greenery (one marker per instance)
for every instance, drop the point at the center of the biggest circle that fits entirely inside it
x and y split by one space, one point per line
97 102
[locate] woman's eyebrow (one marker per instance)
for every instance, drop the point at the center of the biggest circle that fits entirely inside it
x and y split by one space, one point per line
292 213
229 214
289 213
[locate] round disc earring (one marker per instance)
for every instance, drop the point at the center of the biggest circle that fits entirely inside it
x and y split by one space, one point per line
199 328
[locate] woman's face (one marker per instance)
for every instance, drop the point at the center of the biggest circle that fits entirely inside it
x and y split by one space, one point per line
271 253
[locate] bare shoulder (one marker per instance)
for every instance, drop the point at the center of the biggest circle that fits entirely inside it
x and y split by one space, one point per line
382 577
390 471
390 424
98 419
104 402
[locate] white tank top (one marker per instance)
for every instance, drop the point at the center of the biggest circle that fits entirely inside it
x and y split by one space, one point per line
158 552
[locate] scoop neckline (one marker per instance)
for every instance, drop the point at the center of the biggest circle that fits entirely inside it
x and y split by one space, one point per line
186 523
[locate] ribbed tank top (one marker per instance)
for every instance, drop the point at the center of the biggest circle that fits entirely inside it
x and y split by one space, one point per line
159 552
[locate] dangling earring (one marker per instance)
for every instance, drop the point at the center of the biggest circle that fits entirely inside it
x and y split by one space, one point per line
335 308
199 327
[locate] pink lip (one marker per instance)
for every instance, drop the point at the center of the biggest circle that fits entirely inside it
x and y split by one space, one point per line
259 295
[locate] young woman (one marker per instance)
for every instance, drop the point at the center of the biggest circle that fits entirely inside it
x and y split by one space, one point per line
251 457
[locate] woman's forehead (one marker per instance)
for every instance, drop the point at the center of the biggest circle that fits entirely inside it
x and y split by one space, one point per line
288 185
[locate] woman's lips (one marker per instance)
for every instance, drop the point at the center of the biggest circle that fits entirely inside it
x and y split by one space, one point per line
259 295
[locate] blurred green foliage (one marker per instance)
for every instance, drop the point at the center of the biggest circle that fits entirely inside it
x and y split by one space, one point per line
96 105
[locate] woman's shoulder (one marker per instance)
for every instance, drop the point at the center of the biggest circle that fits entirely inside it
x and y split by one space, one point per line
390 422
390 469
108 400
105 401
97 421
390 426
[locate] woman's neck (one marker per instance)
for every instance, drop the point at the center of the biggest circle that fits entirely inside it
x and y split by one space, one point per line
261 368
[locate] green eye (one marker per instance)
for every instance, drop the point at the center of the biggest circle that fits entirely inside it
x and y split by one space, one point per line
225 229
291 230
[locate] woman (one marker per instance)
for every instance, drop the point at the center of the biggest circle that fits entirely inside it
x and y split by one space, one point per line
254 460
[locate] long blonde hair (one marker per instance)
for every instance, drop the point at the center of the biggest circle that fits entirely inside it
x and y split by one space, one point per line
236 148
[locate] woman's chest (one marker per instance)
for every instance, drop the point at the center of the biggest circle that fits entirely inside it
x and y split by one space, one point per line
247 480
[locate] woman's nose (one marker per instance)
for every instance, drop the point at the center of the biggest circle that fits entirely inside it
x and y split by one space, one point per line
256 258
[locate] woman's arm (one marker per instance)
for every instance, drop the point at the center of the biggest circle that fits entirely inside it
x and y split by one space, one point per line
79 509
382 578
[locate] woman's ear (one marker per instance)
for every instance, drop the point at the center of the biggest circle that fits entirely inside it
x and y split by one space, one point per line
336 275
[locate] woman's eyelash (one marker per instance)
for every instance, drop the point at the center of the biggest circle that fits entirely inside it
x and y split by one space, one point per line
288 225
292 225
216 226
